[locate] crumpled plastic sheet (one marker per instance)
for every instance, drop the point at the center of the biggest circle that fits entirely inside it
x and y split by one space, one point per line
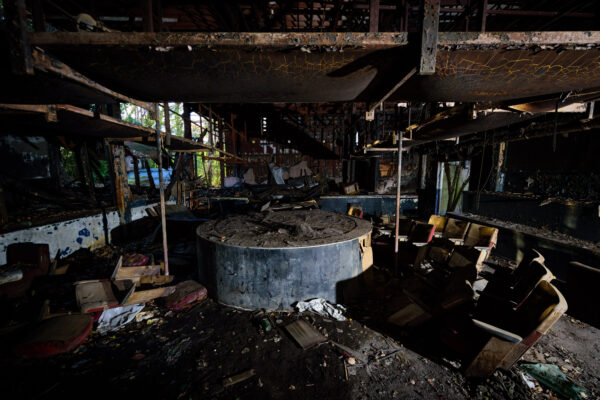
323 307
550 376
115 318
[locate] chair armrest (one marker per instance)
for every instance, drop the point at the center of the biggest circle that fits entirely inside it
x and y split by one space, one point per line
498 332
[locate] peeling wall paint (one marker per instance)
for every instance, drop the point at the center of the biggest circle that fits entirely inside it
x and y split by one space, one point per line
68 236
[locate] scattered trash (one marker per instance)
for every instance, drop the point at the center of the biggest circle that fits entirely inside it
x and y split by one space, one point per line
144 315
265 324
135 260
176 349
322 307
348 352
115 318
528 380
186 294
553 378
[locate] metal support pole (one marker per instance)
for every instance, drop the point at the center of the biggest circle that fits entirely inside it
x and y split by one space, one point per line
161 185
398 193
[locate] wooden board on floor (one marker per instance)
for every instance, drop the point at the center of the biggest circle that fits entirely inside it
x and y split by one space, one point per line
304 334
145 296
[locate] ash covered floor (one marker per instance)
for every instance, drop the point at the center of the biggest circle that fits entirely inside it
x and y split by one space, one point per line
191 353
285 229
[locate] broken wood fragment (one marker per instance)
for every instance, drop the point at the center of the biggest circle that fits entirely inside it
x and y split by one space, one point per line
148 295
232 380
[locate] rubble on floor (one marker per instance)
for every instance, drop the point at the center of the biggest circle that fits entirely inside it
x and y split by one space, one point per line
209 350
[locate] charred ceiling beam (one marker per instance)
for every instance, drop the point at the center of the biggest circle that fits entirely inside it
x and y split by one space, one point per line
222 39
566 124
429 37
428 54
391 91
372 41
56 82
329 67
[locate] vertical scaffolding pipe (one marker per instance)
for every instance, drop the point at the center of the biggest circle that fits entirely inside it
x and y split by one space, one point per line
167 123
161 185
221 147
398 193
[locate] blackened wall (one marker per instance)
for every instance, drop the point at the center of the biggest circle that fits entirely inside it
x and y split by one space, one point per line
554 190
572 171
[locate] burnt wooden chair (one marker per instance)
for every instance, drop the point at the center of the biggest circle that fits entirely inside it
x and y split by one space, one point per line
439 250
455 230
506 341
514 288
405 226
482 238
421 234
486 342
439 222
509 276
411 252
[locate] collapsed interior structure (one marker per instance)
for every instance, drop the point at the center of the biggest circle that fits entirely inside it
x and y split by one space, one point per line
300 199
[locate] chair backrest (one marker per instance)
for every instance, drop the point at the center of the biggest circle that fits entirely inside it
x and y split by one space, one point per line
421 233
529 279
405 226
481 236
439 222
455 229
438 254
439 250
528 257
463 266
542 308
459 259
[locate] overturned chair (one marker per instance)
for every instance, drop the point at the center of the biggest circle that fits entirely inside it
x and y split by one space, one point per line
499 335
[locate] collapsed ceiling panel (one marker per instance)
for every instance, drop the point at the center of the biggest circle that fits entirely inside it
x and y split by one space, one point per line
328 67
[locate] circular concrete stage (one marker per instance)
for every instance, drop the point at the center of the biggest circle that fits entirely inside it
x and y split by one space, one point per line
272 260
